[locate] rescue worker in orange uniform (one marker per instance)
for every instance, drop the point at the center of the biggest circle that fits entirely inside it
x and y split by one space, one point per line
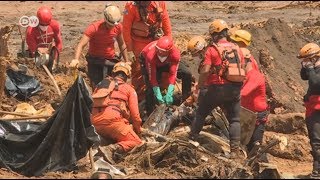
219 75
157 58
310 71
45 40
114 103
143 22
243 39
101 36
254 98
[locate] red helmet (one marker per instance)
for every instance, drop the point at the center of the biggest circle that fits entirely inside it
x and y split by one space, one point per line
165 43
44 15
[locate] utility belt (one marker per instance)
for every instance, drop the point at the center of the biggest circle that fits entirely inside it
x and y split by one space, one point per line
101 61
115 107
120 107
144 30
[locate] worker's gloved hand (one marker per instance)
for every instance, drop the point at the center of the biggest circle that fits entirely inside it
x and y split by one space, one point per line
74 63
168 98
131 56
157 93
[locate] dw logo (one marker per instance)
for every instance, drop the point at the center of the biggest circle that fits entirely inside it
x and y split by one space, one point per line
26 21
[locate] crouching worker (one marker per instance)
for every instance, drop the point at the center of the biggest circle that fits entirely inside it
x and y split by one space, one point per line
310 71
160 65
45 41
114 103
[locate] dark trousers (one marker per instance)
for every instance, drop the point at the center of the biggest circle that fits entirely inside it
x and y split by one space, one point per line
98 69
313 126
226 96
258 132
183 73
186 76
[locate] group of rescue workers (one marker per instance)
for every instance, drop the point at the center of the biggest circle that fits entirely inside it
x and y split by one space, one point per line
229 76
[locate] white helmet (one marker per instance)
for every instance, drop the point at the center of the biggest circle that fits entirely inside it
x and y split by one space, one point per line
112 15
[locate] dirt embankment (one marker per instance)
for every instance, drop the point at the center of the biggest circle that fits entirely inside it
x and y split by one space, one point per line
275 46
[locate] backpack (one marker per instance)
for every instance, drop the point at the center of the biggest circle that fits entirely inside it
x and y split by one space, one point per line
107 94
231 68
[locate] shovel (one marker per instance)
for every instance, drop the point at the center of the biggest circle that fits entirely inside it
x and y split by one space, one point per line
52 79
40 60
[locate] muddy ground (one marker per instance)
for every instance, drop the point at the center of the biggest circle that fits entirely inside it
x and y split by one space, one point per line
279 30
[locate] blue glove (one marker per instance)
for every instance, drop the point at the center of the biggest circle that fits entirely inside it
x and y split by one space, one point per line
168 98
157 93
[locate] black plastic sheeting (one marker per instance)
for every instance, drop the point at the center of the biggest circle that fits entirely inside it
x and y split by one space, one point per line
31 149
160 120
20 85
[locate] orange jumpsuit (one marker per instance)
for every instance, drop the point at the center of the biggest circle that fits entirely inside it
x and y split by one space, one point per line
111 122
137 43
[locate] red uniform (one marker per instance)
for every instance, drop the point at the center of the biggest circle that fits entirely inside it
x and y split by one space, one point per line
254 63
102 39
136 43
212 58
110 122
152 63
36 36
253 92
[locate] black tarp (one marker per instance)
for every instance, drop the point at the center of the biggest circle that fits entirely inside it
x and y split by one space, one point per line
161 120
20 85
55 145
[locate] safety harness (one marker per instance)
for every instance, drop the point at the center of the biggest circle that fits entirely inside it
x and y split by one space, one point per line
144 28
107 94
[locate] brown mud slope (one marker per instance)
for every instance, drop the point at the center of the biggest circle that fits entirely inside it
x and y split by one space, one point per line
275 46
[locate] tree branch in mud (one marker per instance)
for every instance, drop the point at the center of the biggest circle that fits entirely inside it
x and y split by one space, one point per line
2 75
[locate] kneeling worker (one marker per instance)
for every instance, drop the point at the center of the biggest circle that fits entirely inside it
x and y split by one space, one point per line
114 103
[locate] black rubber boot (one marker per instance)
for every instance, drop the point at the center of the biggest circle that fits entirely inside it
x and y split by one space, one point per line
315 167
